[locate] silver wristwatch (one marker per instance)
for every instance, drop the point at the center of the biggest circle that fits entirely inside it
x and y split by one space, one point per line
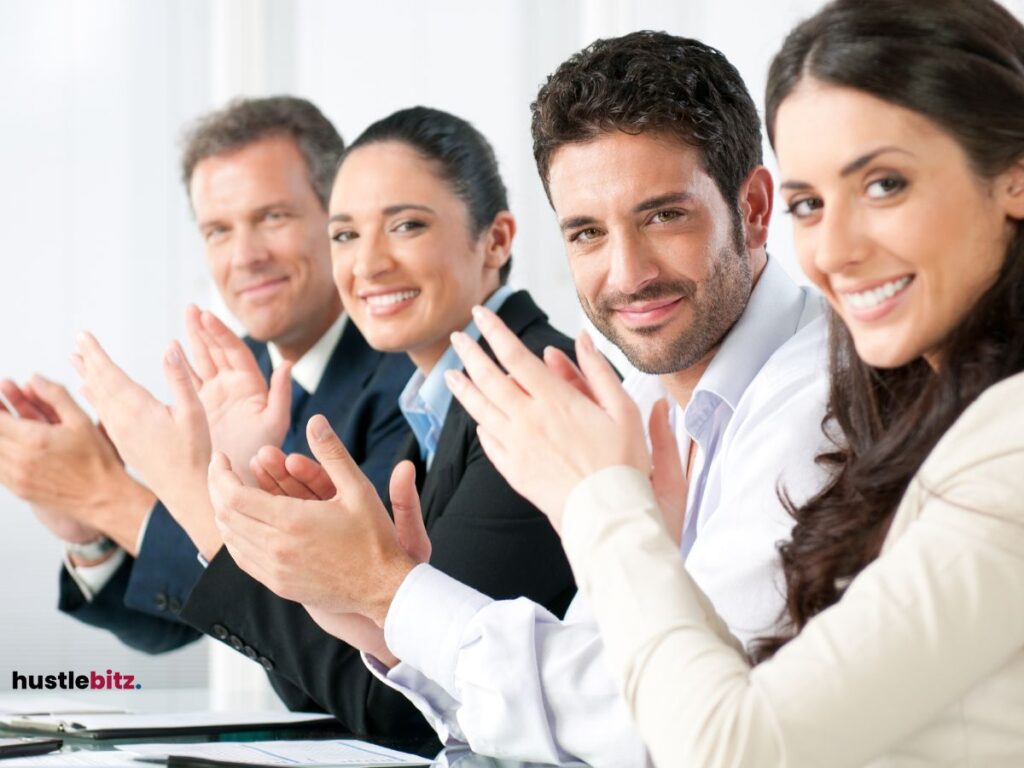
91 550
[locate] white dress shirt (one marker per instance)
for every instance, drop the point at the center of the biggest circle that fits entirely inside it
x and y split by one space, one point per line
307 371
512 680
920 663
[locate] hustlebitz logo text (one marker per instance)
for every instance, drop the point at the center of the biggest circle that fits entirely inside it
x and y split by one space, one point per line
72 681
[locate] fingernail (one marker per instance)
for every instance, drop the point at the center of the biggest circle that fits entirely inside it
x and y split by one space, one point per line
458 338
320 428
453 380
480 314
173 357
586 342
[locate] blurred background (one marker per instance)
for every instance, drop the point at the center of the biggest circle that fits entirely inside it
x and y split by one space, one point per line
97 232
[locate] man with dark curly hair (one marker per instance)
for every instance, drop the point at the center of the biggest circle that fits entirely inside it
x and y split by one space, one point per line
649 147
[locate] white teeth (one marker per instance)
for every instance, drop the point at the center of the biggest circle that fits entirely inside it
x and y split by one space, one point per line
387 299
874 297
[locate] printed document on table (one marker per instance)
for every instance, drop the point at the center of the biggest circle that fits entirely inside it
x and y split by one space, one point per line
132 725
84 758
336 753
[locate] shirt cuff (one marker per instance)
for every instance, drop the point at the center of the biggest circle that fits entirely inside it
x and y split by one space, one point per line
427 620
91 579
434 703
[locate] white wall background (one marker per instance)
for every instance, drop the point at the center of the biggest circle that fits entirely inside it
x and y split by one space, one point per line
96 232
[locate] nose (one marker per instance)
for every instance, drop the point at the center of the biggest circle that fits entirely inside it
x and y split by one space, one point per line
372 257
841 240
248 247
631 267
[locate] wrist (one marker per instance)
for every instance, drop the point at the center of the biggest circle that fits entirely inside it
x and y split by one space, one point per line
121 510
390 580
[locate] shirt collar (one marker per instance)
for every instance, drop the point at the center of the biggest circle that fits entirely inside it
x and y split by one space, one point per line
309 369
772 314
776 309
426 399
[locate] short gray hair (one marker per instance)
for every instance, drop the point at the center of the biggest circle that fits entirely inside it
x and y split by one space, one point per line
244 121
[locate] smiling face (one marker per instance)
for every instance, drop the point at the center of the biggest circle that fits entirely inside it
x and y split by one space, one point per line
890 221
406 263
264 231
657 256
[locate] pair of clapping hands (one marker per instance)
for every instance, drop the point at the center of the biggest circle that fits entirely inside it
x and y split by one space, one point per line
545 425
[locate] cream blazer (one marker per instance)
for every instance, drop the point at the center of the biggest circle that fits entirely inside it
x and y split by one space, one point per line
921 662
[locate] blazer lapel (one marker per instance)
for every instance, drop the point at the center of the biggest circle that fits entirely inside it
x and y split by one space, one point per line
518 312
350 367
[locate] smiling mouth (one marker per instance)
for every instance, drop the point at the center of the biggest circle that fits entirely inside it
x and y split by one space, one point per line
648 313
381 300
264 286
875 297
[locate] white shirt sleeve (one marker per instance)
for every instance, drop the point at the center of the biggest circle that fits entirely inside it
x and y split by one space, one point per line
93 578
935 617
507 677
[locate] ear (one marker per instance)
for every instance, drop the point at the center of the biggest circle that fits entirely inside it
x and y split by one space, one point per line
755 204
1011 187
498 240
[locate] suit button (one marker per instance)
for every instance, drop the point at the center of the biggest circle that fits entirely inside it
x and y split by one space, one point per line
160 601
250 652
174 604
235 642
266 663
220 631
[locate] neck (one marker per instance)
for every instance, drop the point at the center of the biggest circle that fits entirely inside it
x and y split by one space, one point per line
292 349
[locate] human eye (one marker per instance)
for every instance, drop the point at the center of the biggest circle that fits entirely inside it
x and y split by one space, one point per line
663 217
408 225
213 233
584 235
804 207
886 186
275 215
343 236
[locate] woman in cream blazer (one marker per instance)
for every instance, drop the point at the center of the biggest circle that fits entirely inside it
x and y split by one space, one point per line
899 130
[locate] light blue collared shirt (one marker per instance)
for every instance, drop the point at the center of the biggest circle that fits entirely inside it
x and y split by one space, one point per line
426 399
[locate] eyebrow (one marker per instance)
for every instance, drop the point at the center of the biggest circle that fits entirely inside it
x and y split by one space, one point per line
258 212
391 210
851 167
649 204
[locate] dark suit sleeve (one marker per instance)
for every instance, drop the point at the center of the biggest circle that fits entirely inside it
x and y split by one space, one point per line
165 570
306 665
107 611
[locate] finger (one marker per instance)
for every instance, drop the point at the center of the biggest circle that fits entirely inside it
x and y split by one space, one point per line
601 378
335 458
405 504
271 462
477 405
197 382
40 402
561 365
57 398
527 369
180 380
279 397
108 384
310 474
237 356
667 476
23 406
490 380
204 364
229 494
263 479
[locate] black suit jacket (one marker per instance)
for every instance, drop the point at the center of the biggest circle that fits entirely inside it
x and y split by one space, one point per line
483 533
358 394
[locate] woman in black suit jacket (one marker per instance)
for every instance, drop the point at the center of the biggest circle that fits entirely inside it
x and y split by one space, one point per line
420 234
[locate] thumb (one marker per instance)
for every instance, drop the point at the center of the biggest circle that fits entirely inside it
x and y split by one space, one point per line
405 503
334 457
59 399
279 398
667 476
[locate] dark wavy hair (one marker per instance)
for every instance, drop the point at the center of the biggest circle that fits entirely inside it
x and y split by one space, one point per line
464 158
960 64
244 121
652 82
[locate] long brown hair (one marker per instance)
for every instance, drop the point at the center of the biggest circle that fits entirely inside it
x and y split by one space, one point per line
960 63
